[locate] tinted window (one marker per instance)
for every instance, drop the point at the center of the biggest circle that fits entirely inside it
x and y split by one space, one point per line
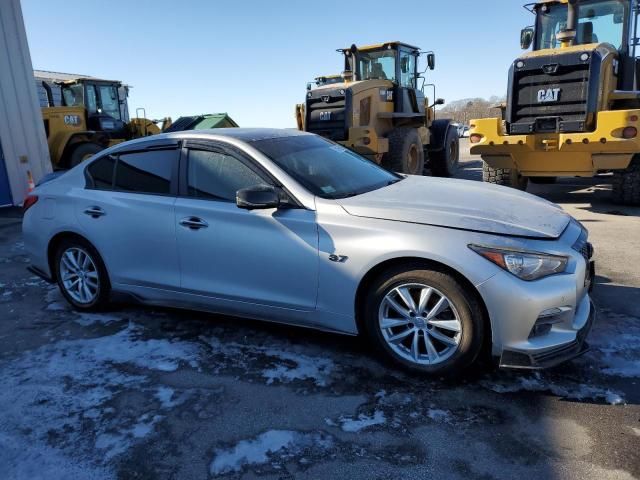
101 173
218 176
324 168
146 172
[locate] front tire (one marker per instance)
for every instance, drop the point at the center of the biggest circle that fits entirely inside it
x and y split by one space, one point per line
626 184
81 275
508 177
406 152
424 321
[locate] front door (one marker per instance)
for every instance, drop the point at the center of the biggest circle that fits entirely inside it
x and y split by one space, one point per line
265 257
6 198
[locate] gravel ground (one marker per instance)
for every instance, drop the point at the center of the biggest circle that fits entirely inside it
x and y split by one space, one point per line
157 393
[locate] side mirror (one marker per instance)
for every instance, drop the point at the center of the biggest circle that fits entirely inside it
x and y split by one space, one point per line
258 197
431 60
439 101
526 37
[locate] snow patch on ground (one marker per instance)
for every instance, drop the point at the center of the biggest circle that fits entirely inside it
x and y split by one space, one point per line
285 364
273 445
616 345
538 383
50 394
88 319
439 415
363 421
636 431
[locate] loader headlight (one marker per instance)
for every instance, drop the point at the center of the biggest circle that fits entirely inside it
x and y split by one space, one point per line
523 264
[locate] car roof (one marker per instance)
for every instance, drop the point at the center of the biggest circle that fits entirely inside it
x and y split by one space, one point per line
246 135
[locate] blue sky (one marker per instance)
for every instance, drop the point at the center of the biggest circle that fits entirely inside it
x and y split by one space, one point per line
253 59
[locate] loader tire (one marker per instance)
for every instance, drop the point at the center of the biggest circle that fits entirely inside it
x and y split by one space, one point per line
444 163
508 177
406 153
83 152
626 184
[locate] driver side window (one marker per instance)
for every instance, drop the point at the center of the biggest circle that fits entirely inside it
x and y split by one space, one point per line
218 176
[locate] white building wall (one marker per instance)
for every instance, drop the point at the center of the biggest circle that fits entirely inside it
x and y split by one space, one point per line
21 127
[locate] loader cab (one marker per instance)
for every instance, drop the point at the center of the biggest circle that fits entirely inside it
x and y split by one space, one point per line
102 102
397 63
613 22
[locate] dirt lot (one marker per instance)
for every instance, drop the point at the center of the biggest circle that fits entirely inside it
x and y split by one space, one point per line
157 393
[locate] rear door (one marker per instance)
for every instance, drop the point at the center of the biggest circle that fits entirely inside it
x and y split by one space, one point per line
127 213
266 257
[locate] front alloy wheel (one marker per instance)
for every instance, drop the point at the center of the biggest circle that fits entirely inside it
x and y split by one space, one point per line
420 324
424 319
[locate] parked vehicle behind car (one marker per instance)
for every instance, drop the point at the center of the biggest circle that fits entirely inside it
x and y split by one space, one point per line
289 227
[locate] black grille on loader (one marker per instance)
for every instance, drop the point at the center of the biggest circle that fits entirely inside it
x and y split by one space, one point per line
327 113
554 93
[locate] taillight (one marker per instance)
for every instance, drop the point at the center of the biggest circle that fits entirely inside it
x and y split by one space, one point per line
29 202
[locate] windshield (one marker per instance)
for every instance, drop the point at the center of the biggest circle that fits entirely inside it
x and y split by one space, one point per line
377 65
324 168
598 22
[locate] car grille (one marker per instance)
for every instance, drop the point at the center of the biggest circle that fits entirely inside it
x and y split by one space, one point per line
327 113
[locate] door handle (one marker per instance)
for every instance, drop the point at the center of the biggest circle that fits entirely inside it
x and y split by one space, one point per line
95 212
194 223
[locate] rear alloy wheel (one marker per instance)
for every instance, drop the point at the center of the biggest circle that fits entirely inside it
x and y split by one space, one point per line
406 152
425 321
81 275
626 184
508 177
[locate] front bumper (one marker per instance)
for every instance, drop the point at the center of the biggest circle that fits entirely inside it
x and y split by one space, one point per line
552 356
559 154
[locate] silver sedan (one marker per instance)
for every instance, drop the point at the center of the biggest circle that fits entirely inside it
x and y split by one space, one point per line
288 227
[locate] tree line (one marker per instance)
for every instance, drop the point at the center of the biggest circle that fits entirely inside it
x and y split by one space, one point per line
462 111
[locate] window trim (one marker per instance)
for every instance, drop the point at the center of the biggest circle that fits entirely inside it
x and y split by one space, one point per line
173 181
238 154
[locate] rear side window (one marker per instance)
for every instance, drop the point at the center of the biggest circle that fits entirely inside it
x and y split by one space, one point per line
218 176
101 173
146 172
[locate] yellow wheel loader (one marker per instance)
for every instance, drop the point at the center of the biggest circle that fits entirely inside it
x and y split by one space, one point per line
573 104
378 109
88 119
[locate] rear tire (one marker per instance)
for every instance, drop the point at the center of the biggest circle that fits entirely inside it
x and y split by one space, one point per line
83 152
543 180
455 350
626 184
81 275
406 152
508 177
445 162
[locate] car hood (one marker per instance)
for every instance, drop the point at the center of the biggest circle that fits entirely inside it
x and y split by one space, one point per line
461 204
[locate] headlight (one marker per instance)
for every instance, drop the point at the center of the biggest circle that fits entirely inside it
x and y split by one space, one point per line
525 265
